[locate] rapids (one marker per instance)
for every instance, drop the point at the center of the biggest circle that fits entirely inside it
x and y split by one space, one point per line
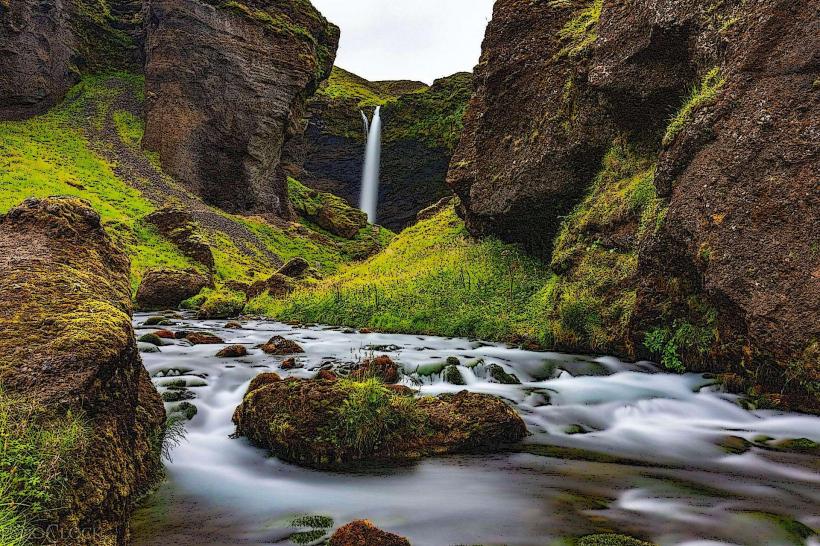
614 447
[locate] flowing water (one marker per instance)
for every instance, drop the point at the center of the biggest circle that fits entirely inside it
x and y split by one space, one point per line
613 447
369 199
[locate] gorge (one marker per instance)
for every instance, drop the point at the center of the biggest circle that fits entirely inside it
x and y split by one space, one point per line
571 298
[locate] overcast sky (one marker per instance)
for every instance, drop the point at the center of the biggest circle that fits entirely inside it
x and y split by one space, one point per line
415 39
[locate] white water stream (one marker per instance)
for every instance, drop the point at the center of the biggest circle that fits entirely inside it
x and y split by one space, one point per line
369 200
648 461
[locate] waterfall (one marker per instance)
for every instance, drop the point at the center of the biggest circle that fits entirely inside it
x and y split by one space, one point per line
366 123
369 199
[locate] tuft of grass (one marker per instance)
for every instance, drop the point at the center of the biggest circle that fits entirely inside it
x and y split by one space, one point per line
701 94
432 278
580 32
686 339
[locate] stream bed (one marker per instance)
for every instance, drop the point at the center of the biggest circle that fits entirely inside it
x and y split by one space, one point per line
613 447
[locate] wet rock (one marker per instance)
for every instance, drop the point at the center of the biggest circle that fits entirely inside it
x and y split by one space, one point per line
80 359
153 339
177 395
451 374
157 321
289 364
233 325
232 351
453 361
278 345
797 445
575 429
198 54
262 380
147 348
735 445
165 334
364 533
497 373
185 409
381 367
332 424
164 288
203 338
295 268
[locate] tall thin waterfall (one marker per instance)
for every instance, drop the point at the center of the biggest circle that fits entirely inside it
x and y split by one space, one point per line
366 123
369 199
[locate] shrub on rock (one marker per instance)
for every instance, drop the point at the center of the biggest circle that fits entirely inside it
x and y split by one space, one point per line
333 424
364 533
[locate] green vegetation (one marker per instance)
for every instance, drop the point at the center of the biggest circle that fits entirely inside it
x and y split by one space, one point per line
590 303
432 278
687 339
346 86
700 95
580 32
36 455
221 303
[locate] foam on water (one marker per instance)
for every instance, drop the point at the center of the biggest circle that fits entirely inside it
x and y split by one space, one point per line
648 460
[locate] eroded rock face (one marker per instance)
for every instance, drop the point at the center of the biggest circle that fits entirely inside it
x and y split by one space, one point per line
178 226
167 288
65 314
44 46
226 85
304 421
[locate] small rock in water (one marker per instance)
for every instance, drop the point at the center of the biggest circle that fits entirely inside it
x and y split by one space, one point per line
147 347
735 445
203 338
153 339
289 364
381 367
364 533
165 334
799 445
453 361
452 375
575 429
278 345
185 409
157 321
232 351
497 373
177 395
234 325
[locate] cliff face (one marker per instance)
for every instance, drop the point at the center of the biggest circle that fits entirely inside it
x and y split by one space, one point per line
65 314
421 128
226 85
44 46
660 155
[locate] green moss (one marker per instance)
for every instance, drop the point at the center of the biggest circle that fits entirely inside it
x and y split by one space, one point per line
590 304
129 127
580 32
346 86
686 340
432 278
221 304
700 95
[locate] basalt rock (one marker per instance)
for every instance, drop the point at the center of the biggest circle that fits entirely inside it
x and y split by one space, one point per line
167 288
364 533
307 422
421 127
65 314
226 85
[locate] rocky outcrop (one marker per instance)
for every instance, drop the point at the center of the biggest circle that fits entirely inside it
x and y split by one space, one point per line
68 344
364 533
167 288
226 85
661 155
45 46
421 127
327 423
178 226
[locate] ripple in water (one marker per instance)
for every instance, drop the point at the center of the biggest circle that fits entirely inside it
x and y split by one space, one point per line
613 447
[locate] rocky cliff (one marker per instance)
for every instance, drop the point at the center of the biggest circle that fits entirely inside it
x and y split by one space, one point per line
226 85
45 46
661 154
422 125
65 314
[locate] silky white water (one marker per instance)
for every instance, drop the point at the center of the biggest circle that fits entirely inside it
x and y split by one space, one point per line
648 462
369 198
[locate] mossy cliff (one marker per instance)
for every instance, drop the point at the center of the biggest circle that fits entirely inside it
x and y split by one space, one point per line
422 125
656 155
90 446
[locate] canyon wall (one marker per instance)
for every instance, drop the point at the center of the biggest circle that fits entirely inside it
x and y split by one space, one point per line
68 345
422 125
226 85
662 156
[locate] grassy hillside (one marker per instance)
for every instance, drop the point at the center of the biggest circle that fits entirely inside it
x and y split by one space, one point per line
432 278
89 147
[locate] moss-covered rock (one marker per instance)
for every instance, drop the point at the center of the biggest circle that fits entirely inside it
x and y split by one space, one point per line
381 367
221 304
168 288
68 343
232 351
364 533
278 345
331 424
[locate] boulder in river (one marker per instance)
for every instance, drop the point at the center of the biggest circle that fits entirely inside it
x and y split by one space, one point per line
203 338
278 345
364 533
381 367
335 424
165 288
232 351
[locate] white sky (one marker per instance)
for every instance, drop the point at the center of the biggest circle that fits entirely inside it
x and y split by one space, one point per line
408 39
